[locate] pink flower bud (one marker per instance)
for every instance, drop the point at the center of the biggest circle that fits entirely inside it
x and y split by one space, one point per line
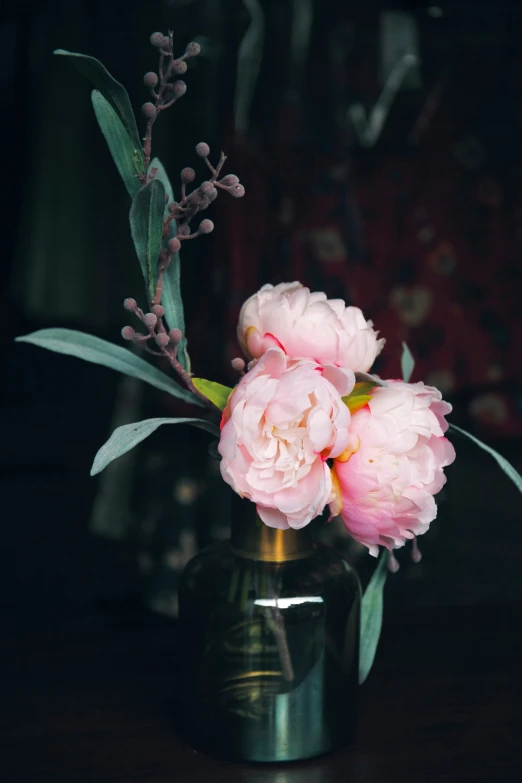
165 44
193 49
202 149
179 66
158 310
149 319
128 333
130 305
174 245
206 226
238 364
175 335
206 187
187 174
213 195
150 79
230 179
393 564
183 230
149 110
173 206
196 198
162 339
179 88
238 191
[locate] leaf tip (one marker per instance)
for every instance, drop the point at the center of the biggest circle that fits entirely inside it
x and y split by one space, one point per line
96 467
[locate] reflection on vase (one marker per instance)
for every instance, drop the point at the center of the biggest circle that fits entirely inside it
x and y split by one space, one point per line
271 628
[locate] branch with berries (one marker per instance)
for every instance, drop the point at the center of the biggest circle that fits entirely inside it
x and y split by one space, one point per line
165 89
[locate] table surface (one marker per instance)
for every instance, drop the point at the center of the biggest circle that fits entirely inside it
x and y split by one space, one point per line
89 702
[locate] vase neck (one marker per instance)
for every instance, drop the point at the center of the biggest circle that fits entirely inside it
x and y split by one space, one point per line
251 538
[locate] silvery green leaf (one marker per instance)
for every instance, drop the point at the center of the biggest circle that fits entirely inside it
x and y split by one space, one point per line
506 466
171 292
124 438
365 377
114 92
146 222
98 351
213 450
162 175
407 363
118 140
371 616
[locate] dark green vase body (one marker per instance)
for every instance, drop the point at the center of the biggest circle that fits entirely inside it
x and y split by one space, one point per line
270 629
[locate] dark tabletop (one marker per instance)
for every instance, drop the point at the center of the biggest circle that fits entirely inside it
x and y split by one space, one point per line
90 701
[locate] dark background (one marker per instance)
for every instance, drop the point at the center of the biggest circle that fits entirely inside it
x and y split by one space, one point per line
422 230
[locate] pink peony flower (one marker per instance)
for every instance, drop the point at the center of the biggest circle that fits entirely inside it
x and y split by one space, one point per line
386 479
282 422
307 324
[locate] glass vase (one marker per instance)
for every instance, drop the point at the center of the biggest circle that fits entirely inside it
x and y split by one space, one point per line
270 633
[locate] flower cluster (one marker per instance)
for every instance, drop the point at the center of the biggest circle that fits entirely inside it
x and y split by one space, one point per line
307 427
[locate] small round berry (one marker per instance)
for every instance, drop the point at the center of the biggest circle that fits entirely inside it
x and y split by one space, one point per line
183 230
173 206
187 174
193 49
175 335
174 245
230 179
162 339
128 333
202 149
238 364
158 310
149 110
213 195
179 66
150 79
179 88
238 191
206 226
149 319
205 201
196 198
206 187
130 305
165 44
157 39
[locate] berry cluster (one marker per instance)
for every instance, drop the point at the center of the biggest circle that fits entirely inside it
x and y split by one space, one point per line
166 341
165 89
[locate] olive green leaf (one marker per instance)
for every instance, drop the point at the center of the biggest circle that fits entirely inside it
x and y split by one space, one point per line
359 396
215 392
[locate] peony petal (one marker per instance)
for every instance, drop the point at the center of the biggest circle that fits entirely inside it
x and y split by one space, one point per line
272 517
